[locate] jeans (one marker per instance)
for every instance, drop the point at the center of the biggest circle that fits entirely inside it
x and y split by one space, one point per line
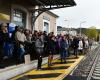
63 54
22 52
39 61
39 52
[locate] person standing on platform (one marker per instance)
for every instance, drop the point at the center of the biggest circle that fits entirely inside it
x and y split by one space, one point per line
16 44
33 48
51 49
75 45
80 48
21 38
45 37
4 39
28 42
64 49
86 45
39 45
90 43
58 44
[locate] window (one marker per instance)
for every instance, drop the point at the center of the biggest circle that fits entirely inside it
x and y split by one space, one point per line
19 17
46 27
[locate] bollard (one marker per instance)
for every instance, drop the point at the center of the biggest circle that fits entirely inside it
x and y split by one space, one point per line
27 59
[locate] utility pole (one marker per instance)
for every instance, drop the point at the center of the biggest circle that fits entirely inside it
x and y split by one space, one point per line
81 27
67 24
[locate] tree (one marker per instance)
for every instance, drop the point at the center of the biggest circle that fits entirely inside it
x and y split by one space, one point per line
91 32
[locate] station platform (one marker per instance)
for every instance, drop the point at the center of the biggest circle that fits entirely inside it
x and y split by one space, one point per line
57 72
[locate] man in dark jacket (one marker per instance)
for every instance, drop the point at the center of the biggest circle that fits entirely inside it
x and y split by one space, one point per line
45 37
75 45
16 45
4 38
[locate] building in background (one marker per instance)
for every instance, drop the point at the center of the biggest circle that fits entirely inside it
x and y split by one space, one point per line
46 22
63 30
73 32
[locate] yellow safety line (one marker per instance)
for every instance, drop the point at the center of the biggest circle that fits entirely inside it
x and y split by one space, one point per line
63 72
67 71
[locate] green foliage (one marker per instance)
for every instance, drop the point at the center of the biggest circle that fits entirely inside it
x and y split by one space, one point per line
91 32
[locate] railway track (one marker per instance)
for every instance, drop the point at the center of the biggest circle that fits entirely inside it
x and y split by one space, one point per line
89 68
94 73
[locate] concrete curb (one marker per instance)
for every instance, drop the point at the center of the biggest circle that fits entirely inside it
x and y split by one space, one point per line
13 71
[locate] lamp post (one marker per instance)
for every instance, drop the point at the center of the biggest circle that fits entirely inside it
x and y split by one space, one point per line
81 27
67 24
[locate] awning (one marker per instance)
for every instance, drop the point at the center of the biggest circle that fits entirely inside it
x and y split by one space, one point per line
45 4
37 7
54 2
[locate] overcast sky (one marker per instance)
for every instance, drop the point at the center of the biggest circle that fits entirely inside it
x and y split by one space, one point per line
85 10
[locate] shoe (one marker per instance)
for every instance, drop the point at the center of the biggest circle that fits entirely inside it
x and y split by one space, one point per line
5 57
61 62
76 57
65 62
39 68
50 64
2 66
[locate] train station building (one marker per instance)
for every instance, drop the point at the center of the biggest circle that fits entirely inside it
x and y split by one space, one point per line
28 14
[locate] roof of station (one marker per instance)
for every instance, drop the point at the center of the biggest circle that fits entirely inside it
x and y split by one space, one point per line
46 4
54 2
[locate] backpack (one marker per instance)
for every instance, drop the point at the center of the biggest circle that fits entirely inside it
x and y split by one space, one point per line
38 43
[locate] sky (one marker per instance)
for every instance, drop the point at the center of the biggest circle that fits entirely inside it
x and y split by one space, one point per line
86 13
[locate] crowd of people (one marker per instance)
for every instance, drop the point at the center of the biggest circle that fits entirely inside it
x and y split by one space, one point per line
38 44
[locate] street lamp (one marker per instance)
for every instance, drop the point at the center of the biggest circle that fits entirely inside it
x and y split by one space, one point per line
67 24
80 27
